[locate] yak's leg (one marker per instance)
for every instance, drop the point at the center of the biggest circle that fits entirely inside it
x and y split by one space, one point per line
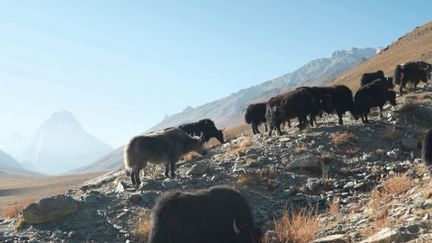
278 128
265 126
137 177
167 165
132 177
340 114
172 165
366 117
289 123
254 128
270 129
381 112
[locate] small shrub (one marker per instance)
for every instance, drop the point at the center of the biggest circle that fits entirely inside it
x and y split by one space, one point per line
334 208
340 139
300 150
245 179
391 134
243 146
302 227
19 224
326 157
397 184
13 210
144 226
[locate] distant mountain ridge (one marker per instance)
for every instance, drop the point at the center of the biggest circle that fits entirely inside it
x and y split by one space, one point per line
61 144
228 111
9 167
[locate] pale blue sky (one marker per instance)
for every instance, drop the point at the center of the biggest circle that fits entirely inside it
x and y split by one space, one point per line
120 66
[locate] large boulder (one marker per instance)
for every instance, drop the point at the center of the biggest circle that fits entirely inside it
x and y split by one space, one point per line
50 209
384 236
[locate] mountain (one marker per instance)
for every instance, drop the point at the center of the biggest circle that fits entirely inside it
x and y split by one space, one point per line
415 45
61 144
228 111
15 145
9 167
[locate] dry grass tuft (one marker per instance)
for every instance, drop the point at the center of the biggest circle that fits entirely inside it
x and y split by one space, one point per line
191 156
245 179
212 143
397 184
19 224
342 139
427 194
301 227
13 210
424 96
300 149
243 146
326 157
334 208
379 212
144 226
408 107
391 134
235 132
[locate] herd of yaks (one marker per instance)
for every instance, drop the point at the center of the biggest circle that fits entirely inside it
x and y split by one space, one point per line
221 214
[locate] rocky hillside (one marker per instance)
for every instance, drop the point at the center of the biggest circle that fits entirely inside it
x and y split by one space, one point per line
416 45
228 111
356 182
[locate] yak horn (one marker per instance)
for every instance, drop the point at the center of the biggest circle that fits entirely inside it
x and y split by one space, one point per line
426 67
236 230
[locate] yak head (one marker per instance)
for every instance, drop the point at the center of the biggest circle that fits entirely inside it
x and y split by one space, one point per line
391 97
219 136
247 233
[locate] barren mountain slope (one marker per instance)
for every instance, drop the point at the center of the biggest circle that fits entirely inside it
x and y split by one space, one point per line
416 45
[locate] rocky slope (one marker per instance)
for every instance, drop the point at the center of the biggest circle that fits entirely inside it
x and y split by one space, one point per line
228 111
415 45
372 173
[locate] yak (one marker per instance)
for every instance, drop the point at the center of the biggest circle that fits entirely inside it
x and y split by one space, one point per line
255 115
412 72
296 103
161 147
219 214
206 127
368 78
427 147
372 95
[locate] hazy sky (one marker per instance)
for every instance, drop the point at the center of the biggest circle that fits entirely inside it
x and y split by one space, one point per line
120 66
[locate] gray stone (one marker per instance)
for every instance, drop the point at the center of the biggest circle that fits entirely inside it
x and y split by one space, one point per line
73 234
409 143
340 238
198 169
135 198
121 187
90 198
384 236
308 161
100 180
313 185
170 183
50 209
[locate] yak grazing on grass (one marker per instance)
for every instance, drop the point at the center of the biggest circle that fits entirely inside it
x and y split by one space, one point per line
206 127
413 72
161 147
215 215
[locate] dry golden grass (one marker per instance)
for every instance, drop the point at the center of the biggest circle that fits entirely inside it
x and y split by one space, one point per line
397 184
19 224
391 134
379 212
424 96
409 106
245 180
334 208
301 227
235 132
243 146
300 149
326 157
344 138
13 210
191 156
144 226
416 45
212 143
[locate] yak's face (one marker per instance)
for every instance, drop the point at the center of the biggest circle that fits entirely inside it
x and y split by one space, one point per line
219 136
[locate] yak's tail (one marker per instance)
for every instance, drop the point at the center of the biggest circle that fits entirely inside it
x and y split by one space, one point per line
398 74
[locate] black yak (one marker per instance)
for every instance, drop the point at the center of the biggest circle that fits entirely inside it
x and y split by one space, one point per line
413 72
368 78
206 127
161 147
427 147
372 95
255 115
215 215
